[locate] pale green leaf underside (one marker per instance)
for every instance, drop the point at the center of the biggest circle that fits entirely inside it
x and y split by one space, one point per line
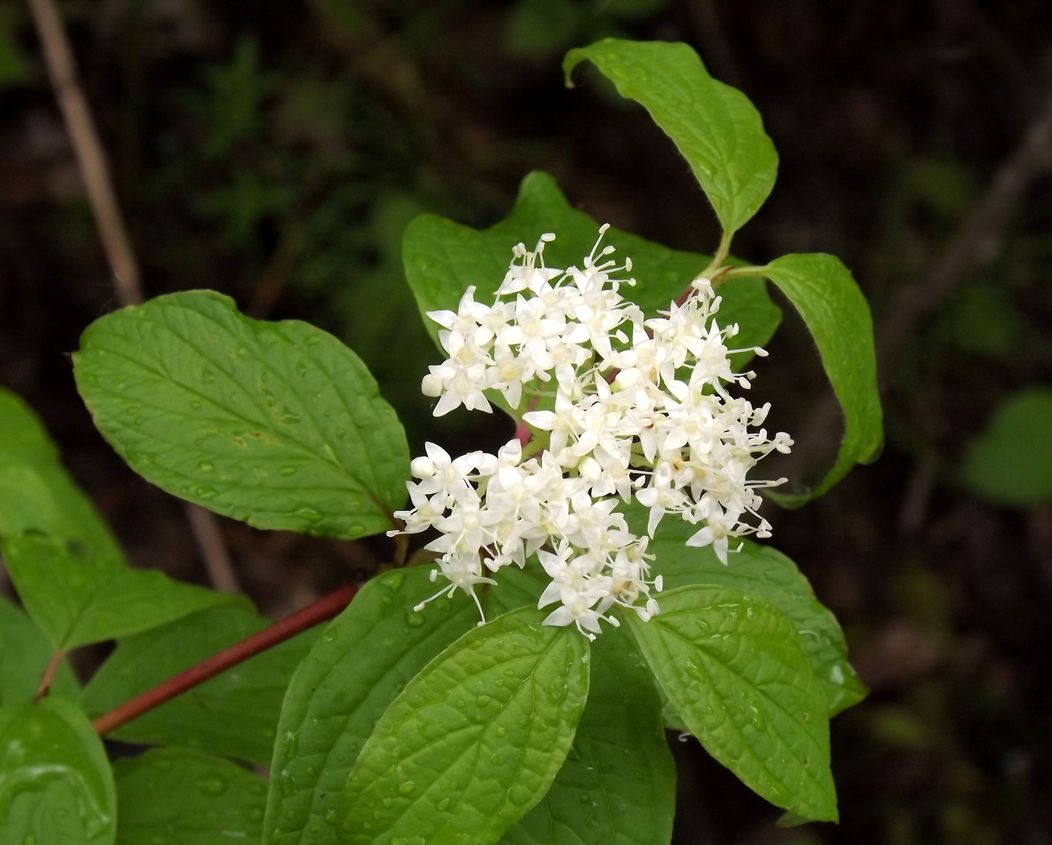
767 573
473 741
735 670
24 652
443 258
1011 461
56 784
714 126
276 424
36 492
618 784
837 315
177 796
233 714
355 669
77 597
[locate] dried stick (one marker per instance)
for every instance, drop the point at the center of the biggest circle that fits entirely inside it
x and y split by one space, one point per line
977 240
124 267
975 243
323 609
91 159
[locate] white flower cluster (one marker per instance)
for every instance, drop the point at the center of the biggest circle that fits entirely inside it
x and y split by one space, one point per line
639 409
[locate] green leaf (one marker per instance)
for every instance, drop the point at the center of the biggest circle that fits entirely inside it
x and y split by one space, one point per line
24 652
1011 461
180 797
442 258
233 714
618 784
737 674
517 588
276 424
714 126
473 741
36 492
77 597
353 672
836 313
764 572
55 782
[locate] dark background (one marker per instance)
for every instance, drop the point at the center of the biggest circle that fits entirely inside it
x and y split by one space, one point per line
275 151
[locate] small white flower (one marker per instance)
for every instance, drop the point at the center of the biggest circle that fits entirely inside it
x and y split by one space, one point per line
642 409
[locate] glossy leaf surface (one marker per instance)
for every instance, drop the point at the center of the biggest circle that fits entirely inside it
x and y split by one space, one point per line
714 126
618 784
79 597
176 796
360 663
837 315
276 424
736 672
474 741
56 785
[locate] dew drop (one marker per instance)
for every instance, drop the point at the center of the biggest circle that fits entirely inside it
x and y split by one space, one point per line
311 515
520 795
211 786
406 787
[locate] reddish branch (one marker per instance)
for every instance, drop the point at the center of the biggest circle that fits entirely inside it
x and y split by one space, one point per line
49 674
323 609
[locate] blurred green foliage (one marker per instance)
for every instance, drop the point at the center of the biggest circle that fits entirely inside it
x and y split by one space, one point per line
1011 460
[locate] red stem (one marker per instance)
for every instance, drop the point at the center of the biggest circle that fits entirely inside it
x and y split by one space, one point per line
324 608
49 674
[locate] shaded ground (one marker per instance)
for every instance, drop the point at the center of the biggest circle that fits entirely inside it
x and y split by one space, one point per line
275 153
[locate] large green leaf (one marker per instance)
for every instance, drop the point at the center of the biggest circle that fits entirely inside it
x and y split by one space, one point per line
764 572
715 127
355 669
24 652
826 296
618 784
79 597
56 785
474 741
442 258
234 713
735 670
36 492
176 796
1011 461
277 424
